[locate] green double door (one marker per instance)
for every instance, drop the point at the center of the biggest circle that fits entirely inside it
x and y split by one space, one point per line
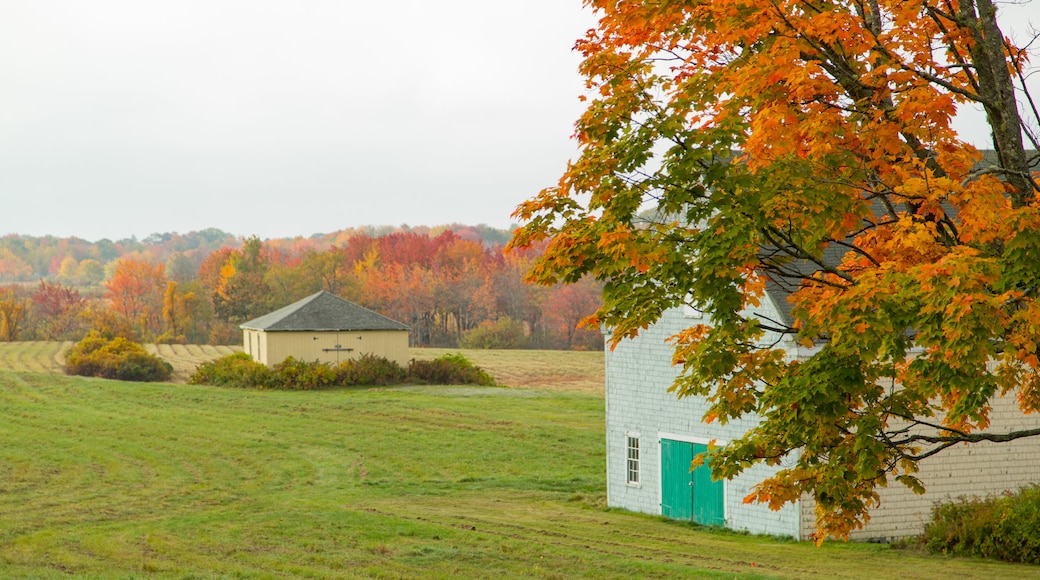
685 494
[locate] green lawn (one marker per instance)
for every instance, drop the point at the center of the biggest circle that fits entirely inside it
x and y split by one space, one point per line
102 479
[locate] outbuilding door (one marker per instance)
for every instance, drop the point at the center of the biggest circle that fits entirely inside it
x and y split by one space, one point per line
685 494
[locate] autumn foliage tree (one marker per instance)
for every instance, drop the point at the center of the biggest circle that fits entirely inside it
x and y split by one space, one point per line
57 309
730 146
135 292
242 291
182 311
168 288
567 307
13 310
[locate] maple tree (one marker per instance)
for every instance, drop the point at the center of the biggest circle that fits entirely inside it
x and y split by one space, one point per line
68 269
327 271
90 271
567 305
734 148
517 299
57 309
209 270
135 292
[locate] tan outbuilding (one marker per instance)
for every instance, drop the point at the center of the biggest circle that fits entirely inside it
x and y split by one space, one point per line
325 328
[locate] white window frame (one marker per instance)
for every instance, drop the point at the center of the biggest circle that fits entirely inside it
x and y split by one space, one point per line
633 460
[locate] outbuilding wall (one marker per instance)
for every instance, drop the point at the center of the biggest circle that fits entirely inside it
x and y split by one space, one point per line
272 348
254 343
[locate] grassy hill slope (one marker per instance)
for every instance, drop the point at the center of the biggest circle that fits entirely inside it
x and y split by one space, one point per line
105 479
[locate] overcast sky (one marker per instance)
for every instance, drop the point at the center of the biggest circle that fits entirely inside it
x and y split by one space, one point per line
279 118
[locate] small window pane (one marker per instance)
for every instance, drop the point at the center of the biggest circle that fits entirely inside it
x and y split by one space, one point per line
633 460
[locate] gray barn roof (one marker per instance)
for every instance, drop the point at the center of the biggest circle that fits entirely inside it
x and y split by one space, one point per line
322 312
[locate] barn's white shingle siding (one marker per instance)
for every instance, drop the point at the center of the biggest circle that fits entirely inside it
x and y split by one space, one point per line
980 470
638 374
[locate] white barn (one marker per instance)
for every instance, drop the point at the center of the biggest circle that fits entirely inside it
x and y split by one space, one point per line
652 436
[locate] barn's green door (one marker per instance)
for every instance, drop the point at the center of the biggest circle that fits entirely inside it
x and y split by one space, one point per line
676 483
685 494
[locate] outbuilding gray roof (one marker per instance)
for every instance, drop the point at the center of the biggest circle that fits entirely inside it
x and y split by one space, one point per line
322 312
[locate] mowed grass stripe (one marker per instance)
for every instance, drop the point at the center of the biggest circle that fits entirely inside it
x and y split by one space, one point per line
185 358
33 356
13 355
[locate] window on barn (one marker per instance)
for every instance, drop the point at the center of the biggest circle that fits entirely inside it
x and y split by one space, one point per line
632 462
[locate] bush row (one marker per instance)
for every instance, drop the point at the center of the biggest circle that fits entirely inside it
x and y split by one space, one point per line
1003 528
241 371
115 358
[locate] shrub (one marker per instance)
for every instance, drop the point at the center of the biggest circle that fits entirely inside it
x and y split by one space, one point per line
240 370
369 369
450 369
115 358
502 333
234 370
109 325
1003 528
303 376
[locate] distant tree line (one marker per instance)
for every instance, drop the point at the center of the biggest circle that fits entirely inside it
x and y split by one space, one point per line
453 286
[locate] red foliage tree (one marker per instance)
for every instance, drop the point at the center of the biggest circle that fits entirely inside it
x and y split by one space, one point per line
57 309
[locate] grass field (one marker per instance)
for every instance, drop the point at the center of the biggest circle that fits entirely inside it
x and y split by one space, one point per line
105 479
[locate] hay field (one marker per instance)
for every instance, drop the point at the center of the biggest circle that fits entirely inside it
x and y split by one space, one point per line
571 371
